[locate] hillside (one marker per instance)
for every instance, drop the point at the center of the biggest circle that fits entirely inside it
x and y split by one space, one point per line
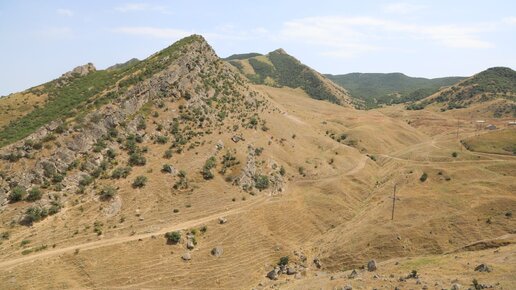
494 88
377 89
278 68
177 172
497 142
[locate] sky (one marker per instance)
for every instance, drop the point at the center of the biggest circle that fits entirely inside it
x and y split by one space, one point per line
40 40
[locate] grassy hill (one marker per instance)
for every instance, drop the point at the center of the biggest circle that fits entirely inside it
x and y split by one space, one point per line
493 84
377 89
74 95
278 68
177 172
498 142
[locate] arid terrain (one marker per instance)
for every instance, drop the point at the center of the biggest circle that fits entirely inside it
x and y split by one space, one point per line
180 173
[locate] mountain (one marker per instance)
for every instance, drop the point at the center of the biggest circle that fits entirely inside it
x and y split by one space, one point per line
177 172
377 89
125 64
277 68
494 88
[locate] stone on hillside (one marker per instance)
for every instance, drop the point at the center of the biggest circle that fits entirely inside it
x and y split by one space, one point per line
273 275
371 266
353 274
455 286
190 244
187 256
222 220
217 251
291 271
346 287
483 268
317 263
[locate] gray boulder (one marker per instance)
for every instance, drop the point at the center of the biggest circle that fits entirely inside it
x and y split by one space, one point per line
483 268
187 256
353 274
273 275
371 266
190 245
217 251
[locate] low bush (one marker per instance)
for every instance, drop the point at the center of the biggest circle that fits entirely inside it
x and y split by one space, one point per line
139 182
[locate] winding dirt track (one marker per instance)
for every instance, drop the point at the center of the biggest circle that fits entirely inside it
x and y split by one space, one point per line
118 240
193 223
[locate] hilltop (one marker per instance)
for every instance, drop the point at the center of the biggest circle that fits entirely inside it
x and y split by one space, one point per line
494 89
277 68
177 171
377 89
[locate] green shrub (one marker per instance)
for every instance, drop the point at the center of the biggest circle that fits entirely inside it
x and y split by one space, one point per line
121 172
107 193
208 165
86 180
4 236
454 154
17 194
34 194
167 154
136 158
282 171
139 182
162 139
283 261
261 182
423 177
173 237
167 168
34 214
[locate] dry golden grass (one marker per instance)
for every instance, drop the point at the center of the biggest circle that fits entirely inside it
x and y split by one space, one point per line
340 211
18 105
498 142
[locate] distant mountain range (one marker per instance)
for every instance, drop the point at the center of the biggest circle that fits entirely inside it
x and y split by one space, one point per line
377 89
494 84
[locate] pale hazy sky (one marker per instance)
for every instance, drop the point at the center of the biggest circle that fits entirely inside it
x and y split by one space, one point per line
40 40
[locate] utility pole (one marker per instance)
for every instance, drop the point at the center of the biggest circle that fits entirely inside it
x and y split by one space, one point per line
458 125
394 201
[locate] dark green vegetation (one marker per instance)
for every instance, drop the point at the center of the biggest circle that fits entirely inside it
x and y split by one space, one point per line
173 237
124 65
76 95
493 83
377 89
277 68
242 56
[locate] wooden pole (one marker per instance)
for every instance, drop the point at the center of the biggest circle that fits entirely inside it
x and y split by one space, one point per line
393 201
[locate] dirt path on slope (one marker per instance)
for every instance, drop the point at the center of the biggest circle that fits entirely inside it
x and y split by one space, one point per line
118 240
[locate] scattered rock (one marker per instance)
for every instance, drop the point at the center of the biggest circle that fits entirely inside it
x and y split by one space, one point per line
317 263
190 245
273 275
186 256
291 271
217 251
455 286
222 220
371 266
346 287
353 274
483 268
